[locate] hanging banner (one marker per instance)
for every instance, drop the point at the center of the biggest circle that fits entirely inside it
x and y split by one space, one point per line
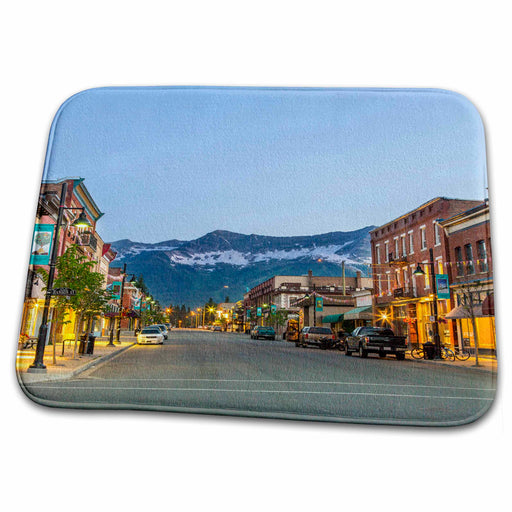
442 286
273 309
248 314
319 303
116 289
258 311
42 244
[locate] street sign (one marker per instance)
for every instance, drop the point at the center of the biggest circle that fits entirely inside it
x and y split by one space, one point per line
63 292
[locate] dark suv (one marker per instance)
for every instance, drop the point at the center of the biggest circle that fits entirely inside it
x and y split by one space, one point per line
267 333
320 336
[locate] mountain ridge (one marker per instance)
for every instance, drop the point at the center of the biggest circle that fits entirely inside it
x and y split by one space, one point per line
224 262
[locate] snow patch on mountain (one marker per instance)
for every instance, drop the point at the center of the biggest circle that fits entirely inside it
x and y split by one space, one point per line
329 253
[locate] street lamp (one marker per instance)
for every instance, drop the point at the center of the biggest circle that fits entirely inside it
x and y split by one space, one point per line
38 365
420 272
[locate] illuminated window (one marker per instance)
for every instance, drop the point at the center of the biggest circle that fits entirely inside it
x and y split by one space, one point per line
426 268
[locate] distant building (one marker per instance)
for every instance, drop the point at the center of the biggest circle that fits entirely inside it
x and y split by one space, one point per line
295 296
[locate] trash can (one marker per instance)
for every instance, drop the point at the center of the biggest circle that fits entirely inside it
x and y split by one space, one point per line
429 350
90 343
83 344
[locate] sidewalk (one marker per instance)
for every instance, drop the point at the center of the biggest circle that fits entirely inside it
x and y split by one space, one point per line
485 363
66 366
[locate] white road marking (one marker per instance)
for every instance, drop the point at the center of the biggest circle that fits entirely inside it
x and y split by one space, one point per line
219 390
295 382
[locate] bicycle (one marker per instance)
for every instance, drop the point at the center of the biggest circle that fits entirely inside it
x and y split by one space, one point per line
446 353
26 342
462 354
417 353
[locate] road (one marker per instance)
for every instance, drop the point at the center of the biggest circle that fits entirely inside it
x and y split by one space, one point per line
225 373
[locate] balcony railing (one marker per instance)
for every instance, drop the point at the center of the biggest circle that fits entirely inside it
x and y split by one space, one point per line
88 240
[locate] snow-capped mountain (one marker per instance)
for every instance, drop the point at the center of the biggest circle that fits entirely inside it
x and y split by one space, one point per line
224 263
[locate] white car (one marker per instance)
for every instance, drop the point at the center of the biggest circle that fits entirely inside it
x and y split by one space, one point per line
163 330
150 335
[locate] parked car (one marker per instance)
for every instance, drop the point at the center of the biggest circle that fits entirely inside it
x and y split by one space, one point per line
379 340
163 329
320 336
266 333
150 335
217 328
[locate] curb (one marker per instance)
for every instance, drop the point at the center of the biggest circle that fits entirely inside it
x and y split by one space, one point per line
68 375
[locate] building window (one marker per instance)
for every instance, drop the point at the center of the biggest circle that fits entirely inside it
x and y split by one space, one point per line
404 247
423 238
458 258
482 256
468 251
389 282
386 251
440 266
426 268
377 254
411 242
437 234
397 254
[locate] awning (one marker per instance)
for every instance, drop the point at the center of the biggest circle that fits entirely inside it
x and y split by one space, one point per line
332 319
463 312
361 313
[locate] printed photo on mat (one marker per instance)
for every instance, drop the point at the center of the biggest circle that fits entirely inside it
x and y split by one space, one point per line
315 254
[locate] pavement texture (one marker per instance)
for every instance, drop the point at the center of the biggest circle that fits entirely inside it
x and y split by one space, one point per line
66 366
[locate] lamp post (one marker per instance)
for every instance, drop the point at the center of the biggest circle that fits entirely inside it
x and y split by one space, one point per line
38 365
435 325
118 331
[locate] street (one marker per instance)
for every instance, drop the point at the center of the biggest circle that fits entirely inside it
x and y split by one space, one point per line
227 373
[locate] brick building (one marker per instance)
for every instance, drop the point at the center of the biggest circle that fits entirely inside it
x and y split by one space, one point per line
90 245
401 299
468 245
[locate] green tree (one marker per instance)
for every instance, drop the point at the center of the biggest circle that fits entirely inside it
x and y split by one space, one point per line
74 271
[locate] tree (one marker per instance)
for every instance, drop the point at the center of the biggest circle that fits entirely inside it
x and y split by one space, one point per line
74 271
470 294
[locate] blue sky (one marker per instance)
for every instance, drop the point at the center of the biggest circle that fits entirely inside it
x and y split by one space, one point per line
165 163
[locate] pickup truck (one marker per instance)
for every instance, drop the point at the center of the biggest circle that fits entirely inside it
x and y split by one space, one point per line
379 340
